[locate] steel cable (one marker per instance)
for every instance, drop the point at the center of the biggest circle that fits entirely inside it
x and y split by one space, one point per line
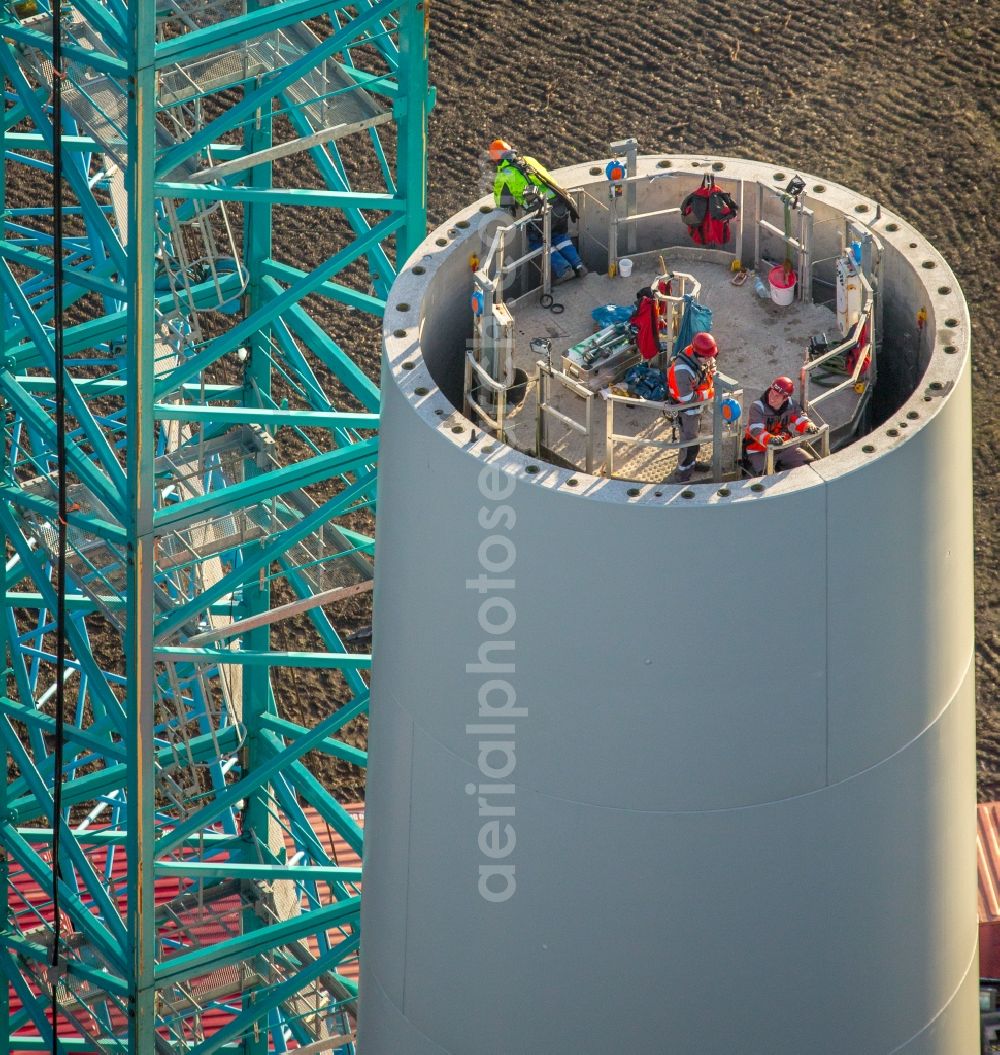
60 408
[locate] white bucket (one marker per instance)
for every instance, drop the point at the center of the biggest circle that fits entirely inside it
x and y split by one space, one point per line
625 267
782 289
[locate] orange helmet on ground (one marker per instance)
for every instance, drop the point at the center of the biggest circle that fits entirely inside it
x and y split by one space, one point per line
703 345
783 386
499 149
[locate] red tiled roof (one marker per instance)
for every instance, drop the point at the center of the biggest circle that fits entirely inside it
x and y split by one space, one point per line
988 851
30 907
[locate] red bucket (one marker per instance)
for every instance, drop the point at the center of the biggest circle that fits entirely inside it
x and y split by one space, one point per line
782 285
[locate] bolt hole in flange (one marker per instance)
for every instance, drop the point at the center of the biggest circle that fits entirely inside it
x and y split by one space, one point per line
951 323
892 432
687 494
718 166
485 208
944 290
664 164
457 429
779 177
868 449
819 189
421 391
441 242
913 415
418 270
633 492
929 264
573 483
861 207
892 227
723 492
935 386
532 469
950 349
757 488
403 306
399 333
409 365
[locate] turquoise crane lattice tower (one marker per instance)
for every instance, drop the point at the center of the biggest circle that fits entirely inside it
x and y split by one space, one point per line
221 451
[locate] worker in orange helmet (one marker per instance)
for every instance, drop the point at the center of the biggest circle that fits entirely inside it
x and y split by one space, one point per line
500 149
690 381
524 183
774 418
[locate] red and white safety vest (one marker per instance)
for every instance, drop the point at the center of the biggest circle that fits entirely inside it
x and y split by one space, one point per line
688 381
765 422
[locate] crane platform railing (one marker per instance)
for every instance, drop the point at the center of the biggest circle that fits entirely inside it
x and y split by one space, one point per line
95 99
192 246
329 96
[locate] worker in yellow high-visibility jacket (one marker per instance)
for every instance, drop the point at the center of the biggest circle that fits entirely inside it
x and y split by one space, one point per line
523 182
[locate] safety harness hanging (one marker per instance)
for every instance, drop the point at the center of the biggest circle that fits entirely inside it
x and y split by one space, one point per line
535 175
708 212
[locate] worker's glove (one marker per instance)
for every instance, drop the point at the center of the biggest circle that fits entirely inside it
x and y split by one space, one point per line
776 441
532 199
812 428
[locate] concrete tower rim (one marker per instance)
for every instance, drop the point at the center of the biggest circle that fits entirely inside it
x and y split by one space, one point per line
947 323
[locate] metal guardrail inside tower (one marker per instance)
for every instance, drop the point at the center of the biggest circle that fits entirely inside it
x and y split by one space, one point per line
790 228
723 436
489 369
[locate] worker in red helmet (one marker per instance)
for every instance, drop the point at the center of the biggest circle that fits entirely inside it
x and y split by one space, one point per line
690 380
774 419
524 183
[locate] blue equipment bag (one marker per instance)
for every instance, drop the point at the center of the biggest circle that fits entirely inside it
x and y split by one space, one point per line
697 319
646 382
608 314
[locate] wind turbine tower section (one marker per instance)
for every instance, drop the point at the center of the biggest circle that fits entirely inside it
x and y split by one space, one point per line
674 766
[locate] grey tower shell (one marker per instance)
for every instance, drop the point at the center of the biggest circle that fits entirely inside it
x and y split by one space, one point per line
744 824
